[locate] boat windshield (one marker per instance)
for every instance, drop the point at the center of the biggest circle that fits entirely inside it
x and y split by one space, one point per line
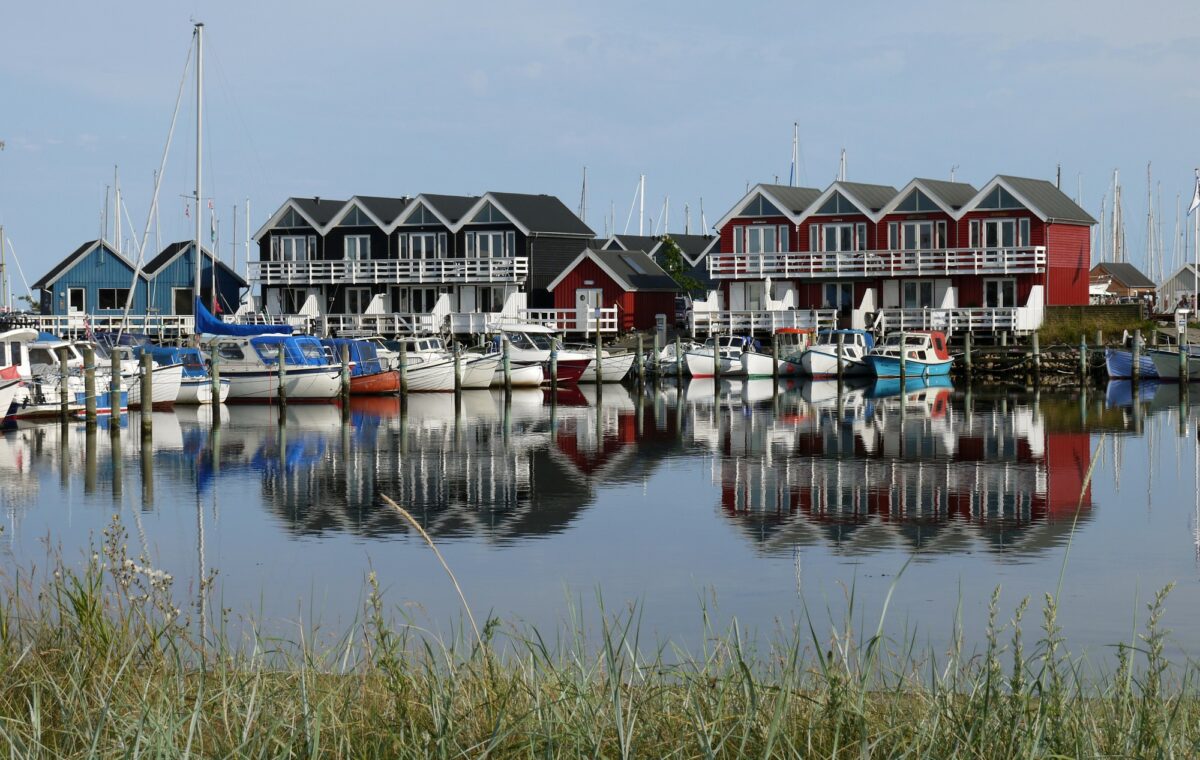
312 351
542 341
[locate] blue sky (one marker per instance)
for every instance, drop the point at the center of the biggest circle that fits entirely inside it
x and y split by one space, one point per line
336 99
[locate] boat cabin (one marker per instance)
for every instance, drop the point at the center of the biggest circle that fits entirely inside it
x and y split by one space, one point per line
924 346
264 350
860 338
364 359
793 340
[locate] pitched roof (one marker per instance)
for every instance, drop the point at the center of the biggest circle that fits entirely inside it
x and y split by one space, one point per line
795 198
320 210
1048 200
542 213
692 245
874 197
72 259
636 242
953 194
452 207
1124 273
168 254
385 209
633 270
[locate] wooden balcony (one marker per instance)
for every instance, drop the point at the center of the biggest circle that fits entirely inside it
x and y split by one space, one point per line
760 322
389 271
851 264
567 320
76 326
951 321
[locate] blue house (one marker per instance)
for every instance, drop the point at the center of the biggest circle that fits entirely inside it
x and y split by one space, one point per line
94 279
170 276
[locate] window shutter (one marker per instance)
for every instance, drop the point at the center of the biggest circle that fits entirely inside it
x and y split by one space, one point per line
510 243
365 253
274 248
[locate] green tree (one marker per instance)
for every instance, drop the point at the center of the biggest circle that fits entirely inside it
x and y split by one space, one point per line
677 266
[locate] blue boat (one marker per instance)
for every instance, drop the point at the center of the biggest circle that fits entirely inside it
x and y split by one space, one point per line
1119 363
925 354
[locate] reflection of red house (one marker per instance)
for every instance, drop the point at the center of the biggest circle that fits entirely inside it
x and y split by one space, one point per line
628 280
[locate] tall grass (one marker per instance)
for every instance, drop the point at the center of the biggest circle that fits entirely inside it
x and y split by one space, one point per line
101 659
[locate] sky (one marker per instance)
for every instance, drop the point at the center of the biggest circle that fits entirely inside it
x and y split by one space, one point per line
397 98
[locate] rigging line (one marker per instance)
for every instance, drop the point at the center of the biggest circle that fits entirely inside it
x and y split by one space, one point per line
632 206
162 164
237 112
20 271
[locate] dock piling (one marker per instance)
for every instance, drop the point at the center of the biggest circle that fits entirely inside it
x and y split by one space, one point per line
63 390
641 363
89 385
841 345
1083 360
1135 372
403 367
114 388
1036 351
678 360
967 358
345 375
554 365
903 363
281 367
214 370
599 361
147 389
457 369
507 366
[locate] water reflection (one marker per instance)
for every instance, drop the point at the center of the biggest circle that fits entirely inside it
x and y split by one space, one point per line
877 465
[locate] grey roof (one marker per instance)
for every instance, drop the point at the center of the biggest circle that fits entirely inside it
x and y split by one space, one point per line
48 278
173 249
625 265
953 194
320 210
1048 200
797 199
874 196
637 242
1126 274
692 245
451 206
543 213
385 209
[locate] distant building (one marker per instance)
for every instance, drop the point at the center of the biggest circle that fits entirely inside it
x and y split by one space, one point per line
96 280
631 281
933 254
415 264
1181 285
1114 280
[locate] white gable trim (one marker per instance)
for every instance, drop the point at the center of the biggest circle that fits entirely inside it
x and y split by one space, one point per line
998 181
916 184
745 201
411 209
108 249
278 215
352 203
588 253
837 187
478 206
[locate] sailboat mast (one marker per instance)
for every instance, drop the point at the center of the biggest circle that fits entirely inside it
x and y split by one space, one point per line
196 249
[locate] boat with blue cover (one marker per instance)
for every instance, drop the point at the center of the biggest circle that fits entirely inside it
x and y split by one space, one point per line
196 386
251 364
369 374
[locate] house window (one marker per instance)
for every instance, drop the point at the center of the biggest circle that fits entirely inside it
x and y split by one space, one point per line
838 295
426 245
738 232
783 238
999 233
423 300
1023 232
760 239
922 236
112 298
487 245
489 299
293 299
917 294
837 237
295 247
76 300
357 300
999 293
357 247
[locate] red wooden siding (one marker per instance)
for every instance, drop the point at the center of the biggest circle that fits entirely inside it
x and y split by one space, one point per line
1069 253
636 310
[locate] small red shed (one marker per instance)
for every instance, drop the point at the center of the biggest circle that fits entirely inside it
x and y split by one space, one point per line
629 280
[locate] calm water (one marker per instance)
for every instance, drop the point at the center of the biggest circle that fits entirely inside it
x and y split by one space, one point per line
767 502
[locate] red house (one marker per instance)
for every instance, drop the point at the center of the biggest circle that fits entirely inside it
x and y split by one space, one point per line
629 280
933 255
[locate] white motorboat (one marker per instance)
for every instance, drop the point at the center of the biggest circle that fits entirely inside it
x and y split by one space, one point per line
478 371
530 375
534 343
738 356
251 365
821 359
425 374
613 368
1166 364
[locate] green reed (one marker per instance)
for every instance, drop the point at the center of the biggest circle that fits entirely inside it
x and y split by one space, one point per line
101 659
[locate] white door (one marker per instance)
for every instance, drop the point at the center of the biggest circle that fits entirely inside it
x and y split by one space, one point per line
587 304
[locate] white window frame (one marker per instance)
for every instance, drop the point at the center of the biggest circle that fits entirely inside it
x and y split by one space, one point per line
295 247
356 247
82 309
843 297
844 233
739 241
918 284
758 236
357 294
493 237
1000 282
424 250
1000 224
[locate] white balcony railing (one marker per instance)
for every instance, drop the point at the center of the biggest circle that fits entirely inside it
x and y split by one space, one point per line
76 326
567 320
833 264
950 321
388 271
760 321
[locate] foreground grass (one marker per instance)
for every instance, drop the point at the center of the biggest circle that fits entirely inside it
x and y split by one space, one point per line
99 661
1067 331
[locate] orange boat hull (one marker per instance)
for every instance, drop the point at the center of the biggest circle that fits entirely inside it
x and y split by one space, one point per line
375 384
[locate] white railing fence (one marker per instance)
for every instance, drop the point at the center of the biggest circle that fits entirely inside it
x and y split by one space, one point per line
76 326
759 321
950 321
891 263
567 320
388 271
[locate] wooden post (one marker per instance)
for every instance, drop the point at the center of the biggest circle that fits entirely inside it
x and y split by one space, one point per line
775 357
89 385
1004 338
457 369
841 370
678 360
215 372
63 391
641 363
1037 359
345 374
147 392
507 366
655 357
1099 339
403 367
114 387
281 367
554 364
967 352
1083 360
903 366
1136 371
717 361
599 359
